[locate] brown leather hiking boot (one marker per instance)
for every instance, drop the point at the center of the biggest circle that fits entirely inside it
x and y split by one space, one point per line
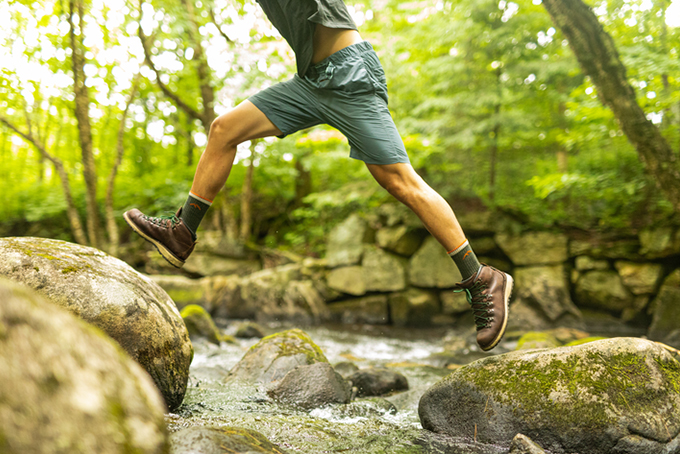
171 237
488 293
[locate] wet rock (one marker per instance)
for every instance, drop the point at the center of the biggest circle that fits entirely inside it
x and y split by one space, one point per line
602 290
364 408
378 382
383 272
666 316
586 263
247 330
553 248
431 266
346 242
182 290
112 296
311 386
206 264
413 307
542 300
522 444
539 339
590 398
660 242
371 310
276 355
221 440
640 278
66 387
200 324
400 239
346 368
348 279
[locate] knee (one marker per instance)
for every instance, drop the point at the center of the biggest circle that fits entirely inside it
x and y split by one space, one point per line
398 187
222 130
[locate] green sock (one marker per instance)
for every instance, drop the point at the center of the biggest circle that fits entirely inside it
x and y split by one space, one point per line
466 260
193 211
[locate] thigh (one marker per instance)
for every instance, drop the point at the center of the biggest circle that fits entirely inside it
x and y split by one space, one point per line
246 122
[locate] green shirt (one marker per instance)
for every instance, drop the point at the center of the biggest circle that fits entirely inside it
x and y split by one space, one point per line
297 19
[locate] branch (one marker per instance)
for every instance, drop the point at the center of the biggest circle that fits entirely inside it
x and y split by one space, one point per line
214 19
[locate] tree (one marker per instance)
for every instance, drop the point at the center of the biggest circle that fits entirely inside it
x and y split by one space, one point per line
597 54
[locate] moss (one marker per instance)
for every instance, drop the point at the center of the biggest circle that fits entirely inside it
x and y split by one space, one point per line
616 382
73 269
184 295
199 323
537 339
584 341
293 342
47 256
36 268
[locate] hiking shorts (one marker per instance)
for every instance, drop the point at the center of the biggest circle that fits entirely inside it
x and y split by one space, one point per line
347 91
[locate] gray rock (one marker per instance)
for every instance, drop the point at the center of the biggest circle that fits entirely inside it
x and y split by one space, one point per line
602 290
311 386
112 296
383 272
184 291
348 279
542 300
522 444
200 324
67 387
378 381
640 278
660 242
431 266
247 330
400 239
590 398
666 311
221 440
204 264
371 310
413 307
586 263
552 247
346 242
276 355
345 368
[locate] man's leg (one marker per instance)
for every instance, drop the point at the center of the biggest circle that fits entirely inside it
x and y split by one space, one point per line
488 289
175 236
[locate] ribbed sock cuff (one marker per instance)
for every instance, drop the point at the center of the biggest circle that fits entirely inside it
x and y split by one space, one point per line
466 260
193 211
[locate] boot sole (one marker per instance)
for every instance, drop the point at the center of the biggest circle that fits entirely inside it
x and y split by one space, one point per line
508 293
165 252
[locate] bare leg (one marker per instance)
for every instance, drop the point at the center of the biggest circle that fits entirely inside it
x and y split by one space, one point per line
409 188
244 122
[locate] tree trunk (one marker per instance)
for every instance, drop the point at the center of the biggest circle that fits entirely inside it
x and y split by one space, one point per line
247 198
82 106
303 182
71 212
111 226
596 53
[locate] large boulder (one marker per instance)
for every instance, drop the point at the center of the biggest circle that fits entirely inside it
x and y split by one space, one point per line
400 239
112 296
206 264
552 247
413 307
660 242
542 300
603 290
68 388
666 312
346 242
347 279
605 248
276 355
221 440
610 396
311 386
431 266
640 278
383 272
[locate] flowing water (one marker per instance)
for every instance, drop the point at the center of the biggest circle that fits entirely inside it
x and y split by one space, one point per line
361 427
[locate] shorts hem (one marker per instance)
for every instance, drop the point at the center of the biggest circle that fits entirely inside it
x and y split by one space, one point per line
270 115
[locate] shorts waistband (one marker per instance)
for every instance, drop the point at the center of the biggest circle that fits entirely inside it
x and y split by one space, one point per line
337 57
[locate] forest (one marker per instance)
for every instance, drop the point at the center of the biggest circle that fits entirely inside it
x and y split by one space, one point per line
105 106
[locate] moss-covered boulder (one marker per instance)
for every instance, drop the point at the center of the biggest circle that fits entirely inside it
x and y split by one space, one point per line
248 330
276 355
200 324
610 396
666 311
68 388
112 296
221 440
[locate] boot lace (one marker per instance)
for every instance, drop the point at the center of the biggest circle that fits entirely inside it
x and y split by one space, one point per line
163 221
480 302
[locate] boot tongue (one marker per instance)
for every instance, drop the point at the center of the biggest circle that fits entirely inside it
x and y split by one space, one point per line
471 280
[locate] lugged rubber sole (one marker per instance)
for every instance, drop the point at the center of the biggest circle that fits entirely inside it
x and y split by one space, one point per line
508 293
165 252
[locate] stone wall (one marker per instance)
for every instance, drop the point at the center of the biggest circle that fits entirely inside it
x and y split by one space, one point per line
387 269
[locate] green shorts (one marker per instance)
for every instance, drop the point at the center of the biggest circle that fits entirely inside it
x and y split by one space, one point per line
346 91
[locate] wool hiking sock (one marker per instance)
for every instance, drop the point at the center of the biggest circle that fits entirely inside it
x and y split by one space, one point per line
193 211
466 260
